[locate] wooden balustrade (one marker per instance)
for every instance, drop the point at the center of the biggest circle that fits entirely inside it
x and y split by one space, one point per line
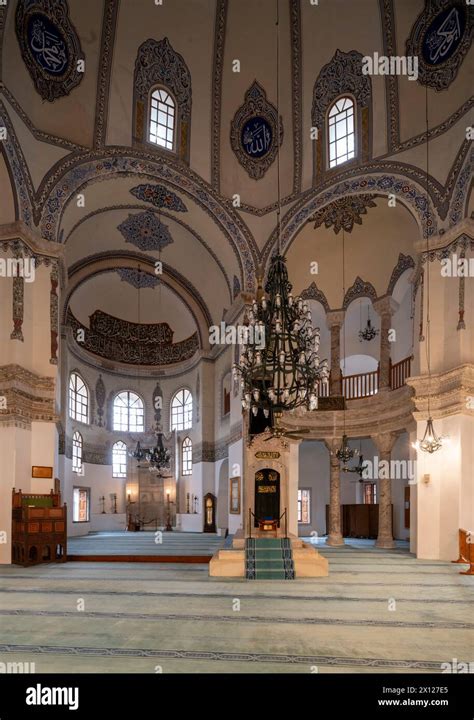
466 551
399 372
361 385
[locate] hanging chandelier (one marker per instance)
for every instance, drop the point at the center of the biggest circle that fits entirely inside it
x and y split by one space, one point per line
369 332
279 368
431 441
345 453
157 457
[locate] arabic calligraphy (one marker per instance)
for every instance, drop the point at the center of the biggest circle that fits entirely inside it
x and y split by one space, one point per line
47 45
257 137
443 35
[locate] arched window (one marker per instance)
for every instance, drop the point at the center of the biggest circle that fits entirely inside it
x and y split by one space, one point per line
119 460
78 399
162 119
187 457
128 412
341 137
77 452
182 410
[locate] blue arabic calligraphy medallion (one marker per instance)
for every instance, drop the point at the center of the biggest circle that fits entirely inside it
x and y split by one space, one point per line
257 137
444 35
47 44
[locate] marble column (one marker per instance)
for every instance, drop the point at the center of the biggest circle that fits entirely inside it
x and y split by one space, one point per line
335 319
385 307
384 443
334 529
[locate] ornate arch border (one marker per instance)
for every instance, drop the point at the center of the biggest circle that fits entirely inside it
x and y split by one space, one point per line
405 262
157 63
312 292
161 213
409 193
95 265
342 75
359 289
76 173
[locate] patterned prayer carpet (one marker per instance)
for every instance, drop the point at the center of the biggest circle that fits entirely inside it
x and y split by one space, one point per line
378 611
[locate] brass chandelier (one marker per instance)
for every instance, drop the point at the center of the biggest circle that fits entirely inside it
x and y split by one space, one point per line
279 368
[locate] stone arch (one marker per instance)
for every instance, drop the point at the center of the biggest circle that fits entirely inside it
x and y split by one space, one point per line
409 193
74 174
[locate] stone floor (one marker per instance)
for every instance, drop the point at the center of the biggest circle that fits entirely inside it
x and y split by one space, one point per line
378 611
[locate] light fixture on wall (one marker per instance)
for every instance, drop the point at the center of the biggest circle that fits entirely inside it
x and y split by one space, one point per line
369 332
279 369
431 441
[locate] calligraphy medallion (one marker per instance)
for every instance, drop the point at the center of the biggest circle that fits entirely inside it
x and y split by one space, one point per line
441 38
254 131
49 46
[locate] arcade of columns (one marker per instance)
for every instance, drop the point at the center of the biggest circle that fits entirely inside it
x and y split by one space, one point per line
385 307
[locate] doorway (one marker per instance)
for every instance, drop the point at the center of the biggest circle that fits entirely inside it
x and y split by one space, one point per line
210 513
267 495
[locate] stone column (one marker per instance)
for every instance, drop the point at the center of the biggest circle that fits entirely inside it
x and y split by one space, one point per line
334 529
384 443
334 321
386 307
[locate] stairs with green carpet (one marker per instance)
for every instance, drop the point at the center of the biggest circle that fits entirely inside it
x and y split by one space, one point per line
268 559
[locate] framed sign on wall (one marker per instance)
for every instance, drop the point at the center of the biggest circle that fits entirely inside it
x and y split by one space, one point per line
234 496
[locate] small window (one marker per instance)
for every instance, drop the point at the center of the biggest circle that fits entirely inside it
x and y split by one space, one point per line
119 460
128 412
341 132
182 410
187 457
81 504
77 452
370 493
304 506
78 399
162 119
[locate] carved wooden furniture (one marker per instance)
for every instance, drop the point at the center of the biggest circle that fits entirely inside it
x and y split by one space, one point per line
466 551
39 527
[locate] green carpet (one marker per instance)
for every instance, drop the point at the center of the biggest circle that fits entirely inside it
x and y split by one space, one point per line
268 559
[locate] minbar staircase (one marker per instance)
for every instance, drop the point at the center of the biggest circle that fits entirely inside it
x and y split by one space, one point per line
269 559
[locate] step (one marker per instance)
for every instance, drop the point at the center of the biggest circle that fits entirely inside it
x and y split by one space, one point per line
271 575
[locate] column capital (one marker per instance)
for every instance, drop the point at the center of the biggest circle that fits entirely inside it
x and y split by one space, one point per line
385 442
335 317
386 306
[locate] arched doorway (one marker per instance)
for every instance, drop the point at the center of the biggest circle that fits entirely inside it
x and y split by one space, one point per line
267 495
209 513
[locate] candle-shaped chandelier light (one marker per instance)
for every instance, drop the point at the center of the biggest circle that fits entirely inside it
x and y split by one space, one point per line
279 368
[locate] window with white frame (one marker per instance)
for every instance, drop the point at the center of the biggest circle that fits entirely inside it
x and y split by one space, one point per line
341 126
77 452
128 412
182 410
78 399
119 460
187 457
162 119
304 506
